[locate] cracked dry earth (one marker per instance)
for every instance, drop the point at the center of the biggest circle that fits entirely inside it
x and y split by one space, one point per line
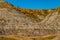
14 22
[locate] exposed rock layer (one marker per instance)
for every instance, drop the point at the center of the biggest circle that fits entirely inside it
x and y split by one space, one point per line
17 22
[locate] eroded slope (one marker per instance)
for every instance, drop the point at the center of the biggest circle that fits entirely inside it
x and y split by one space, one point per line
23 22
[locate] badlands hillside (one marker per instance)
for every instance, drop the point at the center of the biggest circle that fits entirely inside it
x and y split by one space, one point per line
26 22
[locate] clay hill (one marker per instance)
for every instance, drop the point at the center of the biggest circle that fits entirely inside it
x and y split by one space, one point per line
27 22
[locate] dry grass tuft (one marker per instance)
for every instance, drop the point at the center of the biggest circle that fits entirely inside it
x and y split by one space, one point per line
13 37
